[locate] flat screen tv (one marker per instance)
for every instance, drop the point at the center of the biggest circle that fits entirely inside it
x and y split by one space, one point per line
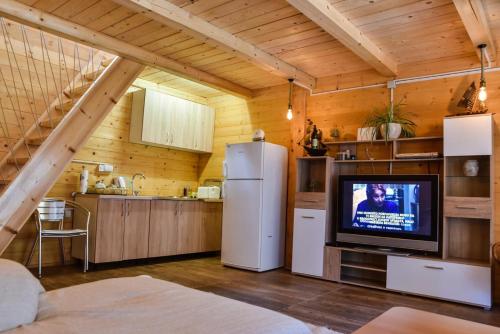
394 211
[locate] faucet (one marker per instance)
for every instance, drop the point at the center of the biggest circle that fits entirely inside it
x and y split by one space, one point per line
135 193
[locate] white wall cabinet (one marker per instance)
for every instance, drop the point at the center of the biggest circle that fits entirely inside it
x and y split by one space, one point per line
468 135
163 120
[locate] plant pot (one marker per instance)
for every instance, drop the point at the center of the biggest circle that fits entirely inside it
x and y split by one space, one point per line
393 132
367 134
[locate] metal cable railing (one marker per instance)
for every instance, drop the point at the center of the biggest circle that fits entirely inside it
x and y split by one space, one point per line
39 82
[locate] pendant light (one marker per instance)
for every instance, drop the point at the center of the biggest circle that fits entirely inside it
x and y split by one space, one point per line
289 114
482 95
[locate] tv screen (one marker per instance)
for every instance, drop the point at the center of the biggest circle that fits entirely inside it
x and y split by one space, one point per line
389 206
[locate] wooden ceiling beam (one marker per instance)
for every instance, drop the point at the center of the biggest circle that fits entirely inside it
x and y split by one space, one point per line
475 21
333 22
167 13
50 23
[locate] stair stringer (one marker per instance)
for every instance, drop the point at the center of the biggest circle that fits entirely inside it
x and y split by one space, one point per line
38 176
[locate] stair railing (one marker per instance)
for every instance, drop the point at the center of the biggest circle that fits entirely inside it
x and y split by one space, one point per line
39 81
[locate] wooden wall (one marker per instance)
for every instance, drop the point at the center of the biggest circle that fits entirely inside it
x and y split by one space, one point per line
237 119
167 172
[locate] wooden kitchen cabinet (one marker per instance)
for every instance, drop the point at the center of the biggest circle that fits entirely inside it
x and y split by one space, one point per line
163 228
136 229
211 227
189 220
109 231
163 120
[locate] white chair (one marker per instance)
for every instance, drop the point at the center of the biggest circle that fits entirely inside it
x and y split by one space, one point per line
52 210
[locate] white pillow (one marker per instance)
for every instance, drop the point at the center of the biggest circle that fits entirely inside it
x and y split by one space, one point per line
19 293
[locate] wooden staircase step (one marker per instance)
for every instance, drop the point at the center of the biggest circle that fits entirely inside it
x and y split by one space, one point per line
91 76
36 140
65 106
106 62
78 91
52 122
18 160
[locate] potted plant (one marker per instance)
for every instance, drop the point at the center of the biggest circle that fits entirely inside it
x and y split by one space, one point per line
391 122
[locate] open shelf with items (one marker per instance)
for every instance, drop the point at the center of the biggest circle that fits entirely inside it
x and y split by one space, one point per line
458 184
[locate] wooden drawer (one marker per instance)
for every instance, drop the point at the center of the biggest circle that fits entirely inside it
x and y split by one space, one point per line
310 200
467 207
446 280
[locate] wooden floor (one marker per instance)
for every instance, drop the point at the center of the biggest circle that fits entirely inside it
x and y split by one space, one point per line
338 306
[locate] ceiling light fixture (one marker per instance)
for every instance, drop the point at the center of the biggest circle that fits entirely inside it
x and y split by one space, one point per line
482 95
289 114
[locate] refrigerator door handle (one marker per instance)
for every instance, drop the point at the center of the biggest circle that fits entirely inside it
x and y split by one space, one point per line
224 169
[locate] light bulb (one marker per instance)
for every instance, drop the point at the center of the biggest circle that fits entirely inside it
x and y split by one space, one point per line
483 95
289 114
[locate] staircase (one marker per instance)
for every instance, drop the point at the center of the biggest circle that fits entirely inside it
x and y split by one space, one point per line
38 144
20 152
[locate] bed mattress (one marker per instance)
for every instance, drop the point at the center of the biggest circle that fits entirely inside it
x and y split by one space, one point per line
146 305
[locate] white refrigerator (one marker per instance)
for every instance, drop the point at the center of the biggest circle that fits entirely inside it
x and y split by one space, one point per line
253 228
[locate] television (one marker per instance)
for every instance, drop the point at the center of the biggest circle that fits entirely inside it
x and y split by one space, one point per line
389 211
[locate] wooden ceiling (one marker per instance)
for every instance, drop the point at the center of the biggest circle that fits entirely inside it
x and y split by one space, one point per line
421 37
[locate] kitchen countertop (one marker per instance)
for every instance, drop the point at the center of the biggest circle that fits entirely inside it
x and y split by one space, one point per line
145 197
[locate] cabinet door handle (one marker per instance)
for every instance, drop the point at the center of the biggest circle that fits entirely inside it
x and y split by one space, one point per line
434 267
308 217
465 207
128 209
310 200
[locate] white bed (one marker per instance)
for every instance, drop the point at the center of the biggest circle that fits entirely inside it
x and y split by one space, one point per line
146 305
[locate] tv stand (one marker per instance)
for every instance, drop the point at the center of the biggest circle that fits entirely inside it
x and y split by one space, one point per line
383 250
414 274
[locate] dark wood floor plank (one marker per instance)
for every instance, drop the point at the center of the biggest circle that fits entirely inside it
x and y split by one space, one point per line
341 307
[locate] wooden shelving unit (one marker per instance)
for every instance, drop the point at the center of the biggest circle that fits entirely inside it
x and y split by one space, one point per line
379 156
461 270
469 200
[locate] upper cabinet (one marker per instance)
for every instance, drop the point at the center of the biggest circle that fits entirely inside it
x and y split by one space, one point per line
163 120
468 135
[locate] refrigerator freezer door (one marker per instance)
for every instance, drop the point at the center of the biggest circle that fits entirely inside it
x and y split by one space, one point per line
241 227
244 161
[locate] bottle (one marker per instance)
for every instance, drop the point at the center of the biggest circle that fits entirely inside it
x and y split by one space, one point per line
84 180
315 138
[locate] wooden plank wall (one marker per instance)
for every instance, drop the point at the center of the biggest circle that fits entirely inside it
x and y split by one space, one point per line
167 172
237 119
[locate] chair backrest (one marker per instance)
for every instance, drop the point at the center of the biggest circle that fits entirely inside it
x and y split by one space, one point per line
51 210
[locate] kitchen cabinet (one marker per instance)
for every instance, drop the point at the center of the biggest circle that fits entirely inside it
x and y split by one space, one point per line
109 231
127 227
163 228
136 229
211 227
189 227
167 121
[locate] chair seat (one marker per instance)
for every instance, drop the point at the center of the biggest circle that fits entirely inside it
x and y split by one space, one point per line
63 233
